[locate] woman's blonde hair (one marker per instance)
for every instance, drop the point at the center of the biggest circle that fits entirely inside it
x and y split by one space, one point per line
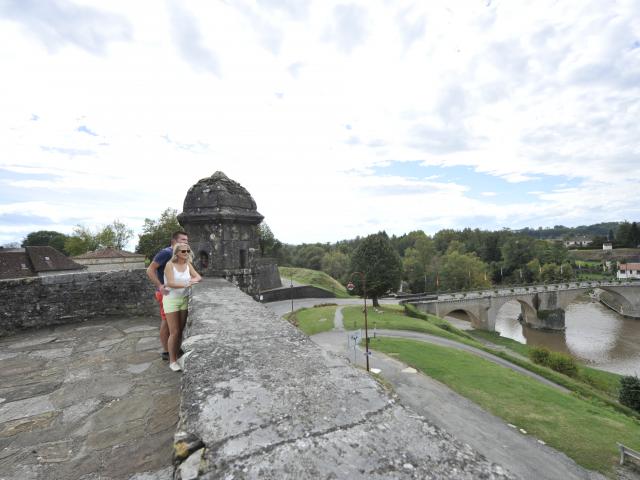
181 246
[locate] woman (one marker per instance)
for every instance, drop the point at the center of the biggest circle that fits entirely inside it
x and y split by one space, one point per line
179 275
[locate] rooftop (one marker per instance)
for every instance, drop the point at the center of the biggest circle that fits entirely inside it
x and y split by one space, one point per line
108 252
31 261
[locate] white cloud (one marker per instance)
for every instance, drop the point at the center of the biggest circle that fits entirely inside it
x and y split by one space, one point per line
263 91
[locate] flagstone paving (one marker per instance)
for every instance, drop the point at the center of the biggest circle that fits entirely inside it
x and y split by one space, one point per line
87 401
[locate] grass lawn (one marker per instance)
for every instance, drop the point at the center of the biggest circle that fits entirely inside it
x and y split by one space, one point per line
494 337
313 320
606 382
586 431
316 278
392 319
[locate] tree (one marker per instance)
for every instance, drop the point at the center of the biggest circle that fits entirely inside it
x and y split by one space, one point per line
376 258
336 264
44 238
114 235
418 262
269 244
156 234
81 241
517 252
309 256
463 271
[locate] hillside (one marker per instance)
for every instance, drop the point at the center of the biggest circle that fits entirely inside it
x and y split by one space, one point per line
618 254
560 231
315 278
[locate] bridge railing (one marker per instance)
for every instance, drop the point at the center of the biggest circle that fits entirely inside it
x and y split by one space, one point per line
514 290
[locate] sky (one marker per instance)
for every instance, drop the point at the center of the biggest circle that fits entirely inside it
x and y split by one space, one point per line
340 118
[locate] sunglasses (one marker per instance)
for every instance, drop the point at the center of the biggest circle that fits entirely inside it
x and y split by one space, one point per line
185 251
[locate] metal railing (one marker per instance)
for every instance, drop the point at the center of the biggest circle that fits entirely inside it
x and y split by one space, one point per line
627 452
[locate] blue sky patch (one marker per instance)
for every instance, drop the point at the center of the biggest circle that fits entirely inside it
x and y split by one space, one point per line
85 129
479 184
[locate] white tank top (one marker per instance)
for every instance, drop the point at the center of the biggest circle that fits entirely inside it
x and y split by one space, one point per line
179 278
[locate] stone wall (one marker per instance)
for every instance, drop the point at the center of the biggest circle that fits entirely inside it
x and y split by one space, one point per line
42 301
302 291
261 400
268 274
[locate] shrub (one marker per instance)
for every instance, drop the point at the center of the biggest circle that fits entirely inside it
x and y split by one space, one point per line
560 362
539 355
630 392
563 363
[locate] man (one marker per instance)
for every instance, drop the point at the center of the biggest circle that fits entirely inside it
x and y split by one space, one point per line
155 272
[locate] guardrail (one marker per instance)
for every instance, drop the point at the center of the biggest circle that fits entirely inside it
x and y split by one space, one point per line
627 452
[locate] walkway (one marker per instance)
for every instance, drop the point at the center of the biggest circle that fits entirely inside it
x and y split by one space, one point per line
499 442
87 401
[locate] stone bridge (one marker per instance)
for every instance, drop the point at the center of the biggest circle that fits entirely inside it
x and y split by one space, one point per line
542 306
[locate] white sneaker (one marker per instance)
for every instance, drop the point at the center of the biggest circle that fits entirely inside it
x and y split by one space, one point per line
181 360
175 366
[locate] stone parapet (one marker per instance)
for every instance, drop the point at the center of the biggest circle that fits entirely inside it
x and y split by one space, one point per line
261 400
38 302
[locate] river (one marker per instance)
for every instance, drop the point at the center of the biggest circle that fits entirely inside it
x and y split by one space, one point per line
595 335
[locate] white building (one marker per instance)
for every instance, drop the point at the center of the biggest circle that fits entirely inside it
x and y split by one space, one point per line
580 241
628 270
607 246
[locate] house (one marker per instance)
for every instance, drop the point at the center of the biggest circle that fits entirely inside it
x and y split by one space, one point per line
581 241
110 259
35 262
628 270
607 246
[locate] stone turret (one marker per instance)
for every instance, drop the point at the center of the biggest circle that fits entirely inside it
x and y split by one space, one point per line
222 221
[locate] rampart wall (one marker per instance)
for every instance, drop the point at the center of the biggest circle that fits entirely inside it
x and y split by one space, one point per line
301 291
259 399
38 302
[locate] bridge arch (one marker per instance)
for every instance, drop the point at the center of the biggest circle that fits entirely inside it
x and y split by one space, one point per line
474 317
616 299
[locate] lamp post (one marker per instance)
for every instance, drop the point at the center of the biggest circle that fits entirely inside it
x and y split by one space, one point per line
351 286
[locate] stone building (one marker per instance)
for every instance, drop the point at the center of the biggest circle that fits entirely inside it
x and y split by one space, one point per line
222 221
109 260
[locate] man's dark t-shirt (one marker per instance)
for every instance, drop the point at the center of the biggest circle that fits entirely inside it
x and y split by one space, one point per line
161 258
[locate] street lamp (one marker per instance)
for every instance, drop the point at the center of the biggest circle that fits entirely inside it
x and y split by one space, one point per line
350 287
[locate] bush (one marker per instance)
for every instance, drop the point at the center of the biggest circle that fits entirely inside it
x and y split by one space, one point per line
539 355
557 361
563 363
630 392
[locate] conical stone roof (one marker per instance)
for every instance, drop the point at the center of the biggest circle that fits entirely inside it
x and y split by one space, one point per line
218 198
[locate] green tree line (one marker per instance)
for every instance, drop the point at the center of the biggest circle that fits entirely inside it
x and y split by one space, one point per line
448 260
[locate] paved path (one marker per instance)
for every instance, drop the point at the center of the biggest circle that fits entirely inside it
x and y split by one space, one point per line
284 306
87 401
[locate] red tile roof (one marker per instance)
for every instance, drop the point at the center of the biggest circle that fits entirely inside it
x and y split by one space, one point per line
629 266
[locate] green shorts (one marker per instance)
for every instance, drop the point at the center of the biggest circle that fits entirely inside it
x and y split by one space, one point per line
175 304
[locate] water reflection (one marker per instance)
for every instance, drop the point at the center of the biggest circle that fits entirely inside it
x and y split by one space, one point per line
594 334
